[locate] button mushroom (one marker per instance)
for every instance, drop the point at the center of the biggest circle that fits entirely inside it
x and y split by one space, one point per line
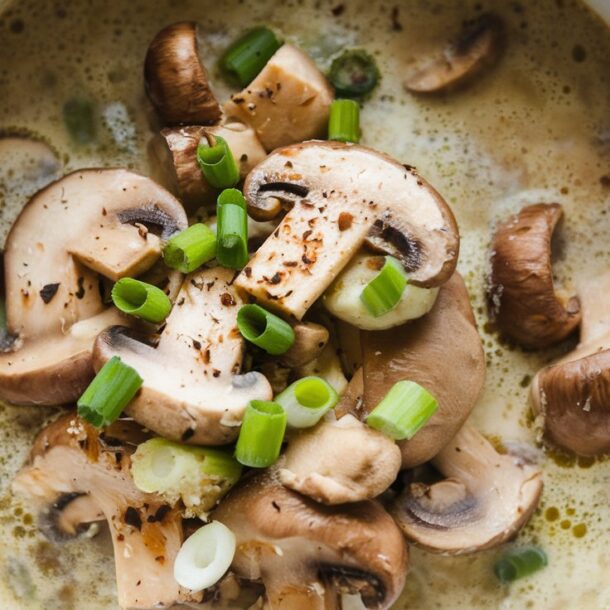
193 390
483 501
310 339
341 195
307 554
70 464
522 297
108 221
288 102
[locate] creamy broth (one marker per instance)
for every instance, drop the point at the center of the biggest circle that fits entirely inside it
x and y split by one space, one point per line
535 128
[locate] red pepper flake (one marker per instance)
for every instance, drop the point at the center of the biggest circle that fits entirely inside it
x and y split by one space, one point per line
227 299
345 221
248 271
290 263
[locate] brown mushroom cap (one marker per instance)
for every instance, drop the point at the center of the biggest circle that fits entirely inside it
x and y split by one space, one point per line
306 553
483 501
522 298
310 339
176 79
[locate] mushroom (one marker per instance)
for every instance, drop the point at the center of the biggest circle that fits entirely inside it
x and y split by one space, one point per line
521 294
310 339
478 46
71 467
484 500
193 390
340 461
306 554
340 195
419 352
328 366
176 79
288 102
112 222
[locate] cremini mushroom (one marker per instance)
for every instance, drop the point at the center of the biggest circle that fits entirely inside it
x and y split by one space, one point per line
307 554
484 500
176 79
72 468
340 461
420 351
193 388
310 339
522 298
477 46
111 222
341 195
288 102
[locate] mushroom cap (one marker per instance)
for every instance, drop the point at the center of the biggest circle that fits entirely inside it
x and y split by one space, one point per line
176 79
419 351
340 195
522 298
483 501
307 553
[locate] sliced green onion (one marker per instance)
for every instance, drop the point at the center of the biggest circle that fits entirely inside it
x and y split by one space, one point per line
261 434
344 121
518 563
204 557
232 196
264 329
306 401
232 236
191 248
247 56
141 300
79 119
109 393
199 476
403 411
354 74
385 290
217 163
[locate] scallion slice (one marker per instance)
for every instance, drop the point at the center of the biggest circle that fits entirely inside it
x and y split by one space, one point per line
344 121
518 563
109 393
232 236
231 196
247 56
189 249
385 290
306 401
217 163
354 74
261 434
403 411
264 329
141 300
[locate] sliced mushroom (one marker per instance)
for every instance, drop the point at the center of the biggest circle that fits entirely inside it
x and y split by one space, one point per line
176 79
307 554
420 352
339 194
193 390
478 46
112 222
70 461
288 102
484 500
310 339
328 366
522 297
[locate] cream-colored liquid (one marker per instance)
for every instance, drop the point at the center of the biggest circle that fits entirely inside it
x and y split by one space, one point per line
536 128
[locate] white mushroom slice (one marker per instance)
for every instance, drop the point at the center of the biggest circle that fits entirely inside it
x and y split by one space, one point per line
328 366
288 102
342 298
193 390
341 195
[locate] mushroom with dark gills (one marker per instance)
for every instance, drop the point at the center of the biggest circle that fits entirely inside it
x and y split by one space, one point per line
339 197
108 222
193 388
308 554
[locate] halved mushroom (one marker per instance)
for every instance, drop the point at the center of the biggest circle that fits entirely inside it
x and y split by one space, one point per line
339 196
193 390
288 102
71 467
176 79
484 500
307 554
310 339
522 297
477 46
111 222
420 351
